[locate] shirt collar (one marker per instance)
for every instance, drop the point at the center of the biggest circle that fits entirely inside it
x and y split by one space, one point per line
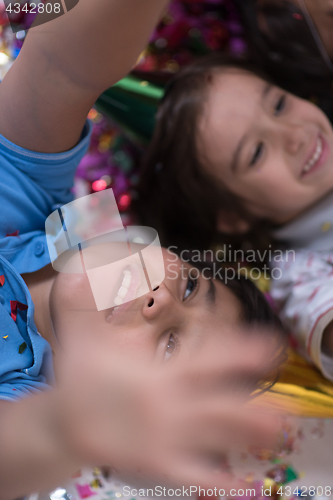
312 230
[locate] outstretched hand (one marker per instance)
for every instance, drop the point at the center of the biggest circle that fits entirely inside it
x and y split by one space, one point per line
174 422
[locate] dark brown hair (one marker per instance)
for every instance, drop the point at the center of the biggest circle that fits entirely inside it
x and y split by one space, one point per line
176 194
282 44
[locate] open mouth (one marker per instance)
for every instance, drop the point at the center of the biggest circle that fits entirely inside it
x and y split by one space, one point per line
129 289
314 161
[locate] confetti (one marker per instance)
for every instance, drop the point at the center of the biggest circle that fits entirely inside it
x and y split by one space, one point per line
84 490
2 280
96 483
5 337
22 348
14 306
15 233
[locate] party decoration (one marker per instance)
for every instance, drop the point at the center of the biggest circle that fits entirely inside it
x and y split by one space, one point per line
22 348
84 490
301 390
2 280
14 306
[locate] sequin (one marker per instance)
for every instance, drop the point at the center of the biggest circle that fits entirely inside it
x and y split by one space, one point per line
14 306
22 348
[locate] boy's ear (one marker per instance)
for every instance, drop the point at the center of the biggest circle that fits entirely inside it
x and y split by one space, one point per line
232 223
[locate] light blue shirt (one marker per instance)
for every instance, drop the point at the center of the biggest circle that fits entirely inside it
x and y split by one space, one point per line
32 186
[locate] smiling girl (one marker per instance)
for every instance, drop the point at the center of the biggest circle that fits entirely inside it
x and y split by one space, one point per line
245 158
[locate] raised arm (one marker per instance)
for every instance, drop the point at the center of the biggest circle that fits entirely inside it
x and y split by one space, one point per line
66 64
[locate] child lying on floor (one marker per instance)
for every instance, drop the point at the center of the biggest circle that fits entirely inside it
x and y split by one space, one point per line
116 401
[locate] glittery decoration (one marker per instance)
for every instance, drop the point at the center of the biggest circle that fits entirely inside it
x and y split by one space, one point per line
283 474
2 280
16 305
84 490
15 233
96 483
5 337
291 474
22 348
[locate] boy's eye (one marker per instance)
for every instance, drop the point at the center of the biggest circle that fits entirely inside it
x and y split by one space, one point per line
171 346
257 154
280 105
192 283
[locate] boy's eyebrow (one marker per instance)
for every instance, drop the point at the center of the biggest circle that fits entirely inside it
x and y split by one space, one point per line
210 296
235 159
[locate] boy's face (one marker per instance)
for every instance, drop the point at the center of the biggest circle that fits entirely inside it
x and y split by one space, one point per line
268 147
183 311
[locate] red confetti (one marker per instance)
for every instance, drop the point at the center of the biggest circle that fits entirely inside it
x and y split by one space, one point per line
2 280
14 306
99 185
124 202
15 233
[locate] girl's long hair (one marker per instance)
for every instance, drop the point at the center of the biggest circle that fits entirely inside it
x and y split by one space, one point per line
282 44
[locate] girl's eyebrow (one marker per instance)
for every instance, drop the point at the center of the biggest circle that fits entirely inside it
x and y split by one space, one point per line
235 158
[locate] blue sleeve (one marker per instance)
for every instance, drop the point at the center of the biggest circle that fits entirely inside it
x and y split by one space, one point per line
32 185
26 365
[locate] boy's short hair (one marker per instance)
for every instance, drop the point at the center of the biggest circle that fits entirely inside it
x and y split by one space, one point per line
256 314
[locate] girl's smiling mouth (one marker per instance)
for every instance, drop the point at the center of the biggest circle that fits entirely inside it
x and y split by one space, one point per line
317 157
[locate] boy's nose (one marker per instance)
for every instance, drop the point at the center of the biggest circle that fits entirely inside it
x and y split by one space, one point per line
157 302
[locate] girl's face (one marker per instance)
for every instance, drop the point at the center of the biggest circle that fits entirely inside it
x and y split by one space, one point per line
183 311
268 147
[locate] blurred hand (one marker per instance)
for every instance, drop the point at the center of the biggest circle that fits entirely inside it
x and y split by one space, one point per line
174 422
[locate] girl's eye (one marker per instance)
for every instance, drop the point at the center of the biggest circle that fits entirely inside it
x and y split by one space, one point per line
257 154
192 283
171 346
281 104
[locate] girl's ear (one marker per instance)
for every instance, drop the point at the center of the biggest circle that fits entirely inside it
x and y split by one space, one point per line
232 223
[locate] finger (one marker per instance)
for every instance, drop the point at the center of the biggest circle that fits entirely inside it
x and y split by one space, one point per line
196 475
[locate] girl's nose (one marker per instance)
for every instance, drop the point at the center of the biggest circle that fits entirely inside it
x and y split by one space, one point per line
295 138
157 302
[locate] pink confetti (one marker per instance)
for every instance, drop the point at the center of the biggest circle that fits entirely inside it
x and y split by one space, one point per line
2 280
84 490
